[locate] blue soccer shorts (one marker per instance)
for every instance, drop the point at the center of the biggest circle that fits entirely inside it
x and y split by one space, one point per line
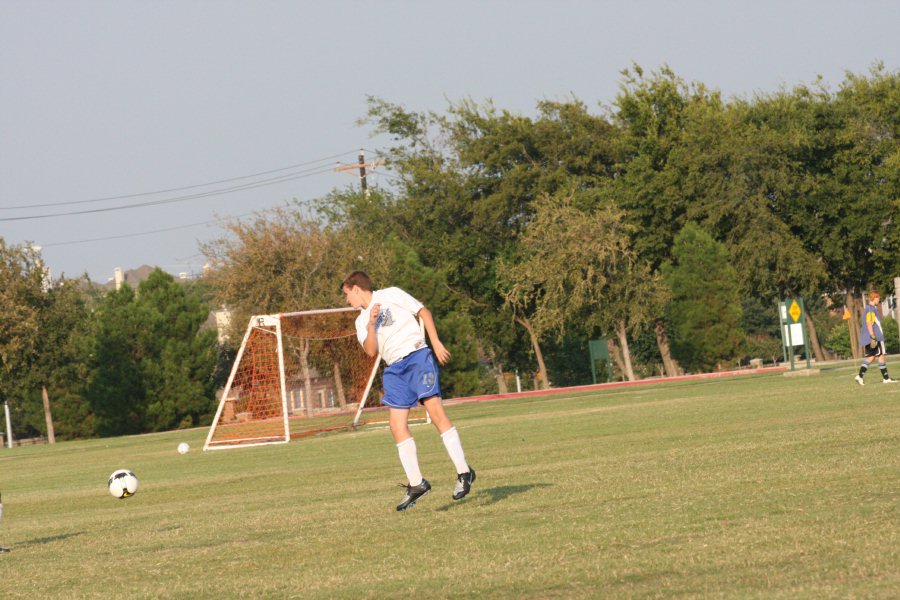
411 379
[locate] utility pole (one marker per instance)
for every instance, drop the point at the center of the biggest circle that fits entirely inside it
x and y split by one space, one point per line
362 172
362 165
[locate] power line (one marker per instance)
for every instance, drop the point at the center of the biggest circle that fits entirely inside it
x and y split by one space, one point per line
153 231
389 175
228 190
177 189
137 234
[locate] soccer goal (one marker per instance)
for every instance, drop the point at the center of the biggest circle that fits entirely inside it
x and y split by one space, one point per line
298 374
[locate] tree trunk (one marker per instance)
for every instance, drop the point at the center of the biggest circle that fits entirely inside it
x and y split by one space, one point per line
339 386
490 357
622 334
617 356
307 378
51 437
662 342
855 315
9 432
501 381
821 354
542 368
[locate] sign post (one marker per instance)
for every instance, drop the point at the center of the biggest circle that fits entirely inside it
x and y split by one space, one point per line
793 328
599 350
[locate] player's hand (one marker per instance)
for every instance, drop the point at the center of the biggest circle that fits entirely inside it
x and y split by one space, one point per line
441 353
373 314
873 344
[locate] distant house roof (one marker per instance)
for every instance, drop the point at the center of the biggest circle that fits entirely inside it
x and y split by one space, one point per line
133 277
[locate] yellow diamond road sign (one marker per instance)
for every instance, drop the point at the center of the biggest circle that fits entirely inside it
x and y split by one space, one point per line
795 311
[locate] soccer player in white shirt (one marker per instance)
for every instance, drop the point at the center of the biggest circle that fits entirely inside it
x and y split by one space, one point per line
388 323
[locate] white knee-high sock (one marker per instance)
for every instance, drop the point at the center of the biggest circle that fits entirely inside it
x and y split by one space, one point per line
409 458
455 450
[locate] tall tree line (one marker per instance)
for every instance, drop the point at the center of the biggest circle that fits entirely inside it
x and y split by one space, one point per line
668 223
78 362
797 192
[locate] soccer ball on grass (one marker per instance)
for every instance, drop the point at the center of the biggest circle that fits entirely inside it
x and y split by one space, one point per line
123 484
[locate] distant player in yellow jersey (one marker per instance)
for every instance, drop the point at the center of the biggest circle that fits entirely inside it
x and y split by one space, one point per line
871 336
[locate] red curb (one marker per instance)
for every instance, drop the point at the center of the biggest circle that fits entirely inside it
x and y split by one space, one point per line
615 384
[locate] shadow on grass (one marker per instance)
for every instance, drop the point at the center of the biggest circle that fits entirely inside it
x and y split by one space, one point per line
48 539
496 494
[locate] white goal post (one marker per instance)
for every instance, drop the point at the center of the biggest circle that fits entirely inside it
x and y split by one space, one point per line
298 374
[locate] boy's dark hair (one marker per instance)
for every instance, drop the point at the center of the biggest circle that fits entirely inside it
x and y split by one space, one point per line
358 278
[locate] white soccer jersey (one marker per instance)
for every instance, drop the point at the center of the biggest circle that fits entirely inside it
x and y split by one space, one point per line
397 327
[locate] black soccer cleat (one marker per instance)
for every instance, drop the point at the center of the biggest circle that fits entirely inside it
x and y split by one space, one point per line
464 483
413 493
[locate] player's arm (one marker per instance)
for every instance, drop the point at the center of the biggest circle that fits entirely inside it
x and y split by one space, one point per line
371 343
440 352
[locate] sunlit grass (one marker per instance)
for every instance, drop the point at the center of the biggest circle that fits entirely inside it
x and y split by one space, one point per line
761 486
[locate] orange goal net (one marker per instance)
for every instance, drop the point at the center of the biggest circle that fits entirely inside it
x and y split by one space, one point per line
298 374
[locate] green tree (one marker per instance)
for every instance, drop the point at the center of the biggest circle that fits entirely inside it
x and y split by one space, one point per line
284 261
468 182
649 116
152 363
576 267
179 359
115 387
706 305
844 206
688 155
799 186
891 335
737 169
464 374
60 365
21 289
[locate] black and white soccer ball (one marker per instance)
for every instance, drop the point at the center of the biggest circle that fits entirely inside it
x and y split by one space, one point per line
123 484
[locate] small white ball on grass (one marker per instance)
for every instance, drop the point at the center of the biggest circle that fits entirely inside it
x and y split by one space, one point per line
183 448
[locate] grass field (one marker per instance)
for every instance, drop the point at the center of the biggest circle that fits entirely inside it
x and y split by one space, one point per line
749 487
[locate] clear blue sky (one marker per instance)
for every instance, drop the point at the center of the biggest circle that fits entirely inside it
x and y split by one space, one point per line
104 99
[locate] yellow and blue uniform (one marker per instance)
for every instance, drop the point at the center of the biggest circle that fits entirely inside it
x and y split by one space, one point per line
870 316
